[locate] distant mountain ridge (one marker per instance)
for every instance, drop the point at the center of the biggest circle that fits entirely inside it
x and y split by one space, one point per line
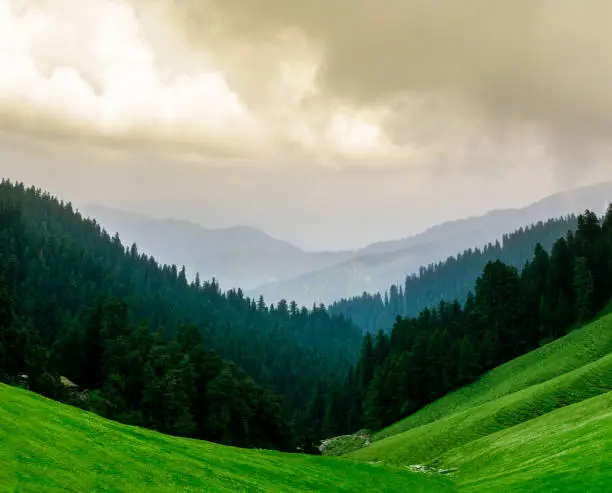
449 279
377 266
240 256
247 258
570 201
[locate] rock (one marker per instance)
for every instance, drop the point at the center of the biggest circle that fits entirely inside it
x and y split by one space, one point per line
345 444
68 384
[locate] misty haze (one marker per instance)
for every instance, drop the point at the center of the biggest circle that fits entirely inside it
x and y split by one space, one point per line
376 232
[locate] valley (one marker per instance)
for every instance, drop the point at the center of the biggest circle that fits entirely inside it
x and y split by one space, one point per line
496 390
542 422
305 246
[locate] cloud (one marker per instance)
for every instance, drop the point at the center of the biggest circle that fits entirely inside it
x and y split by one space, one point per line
117 73
422 83
76 70
546 59
537 62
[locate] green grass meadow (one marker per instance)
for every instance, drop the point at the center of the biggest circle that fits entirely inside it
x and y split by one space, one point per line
50 447
568 450
542 422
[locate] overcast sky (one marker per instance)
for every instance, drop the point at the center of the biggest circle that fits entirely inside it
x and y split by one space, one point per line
331 124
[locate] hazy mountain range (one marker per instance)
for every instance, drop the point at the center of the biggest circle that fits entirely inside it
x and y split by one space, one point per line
241 256
248 258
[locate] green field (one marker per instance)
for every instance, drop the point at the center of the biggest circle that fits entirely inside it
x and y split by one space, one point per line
50 447
568 450
542 422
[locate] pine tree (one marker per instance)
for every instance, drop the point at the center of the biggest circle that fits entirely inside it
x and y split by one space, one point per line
93 349
314 419
468 367
583 290
6 321
261 305
367 363
374 403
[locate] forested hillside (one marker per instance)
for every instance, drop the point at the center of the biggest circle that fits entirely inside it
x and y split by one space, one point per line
147 344
451 279
376 267
509 313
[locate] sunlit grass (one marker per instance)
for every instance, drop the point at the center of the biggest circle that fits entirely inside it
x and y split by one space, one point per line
50 447
580 347
568 450
542 422
426 443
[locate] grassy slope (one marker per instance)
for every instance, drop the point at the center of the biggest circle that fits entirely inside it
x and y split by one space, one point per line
428 442
50 447
542 422
578 348
568 450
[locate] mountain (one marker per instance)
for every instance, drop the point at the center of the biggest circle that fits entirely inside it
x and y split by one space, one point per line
451 279
362 273
236 257
375 267
259 264
494 224
489 393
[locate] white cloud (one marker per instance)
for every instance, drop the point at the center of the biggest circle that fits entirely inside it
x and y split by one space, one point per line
85 64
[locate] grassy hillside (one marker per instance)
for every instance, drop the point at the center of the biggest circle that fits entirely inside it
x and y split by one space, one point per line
568 450
580 347
542 422
428 442
50 447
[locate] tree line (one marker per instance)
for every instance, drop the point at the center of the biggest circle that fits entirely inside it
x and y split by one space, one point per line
508 313
450 279
150 347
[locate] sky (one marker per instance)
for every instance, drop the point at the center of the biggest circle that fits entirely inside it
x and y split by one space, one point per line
328 124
